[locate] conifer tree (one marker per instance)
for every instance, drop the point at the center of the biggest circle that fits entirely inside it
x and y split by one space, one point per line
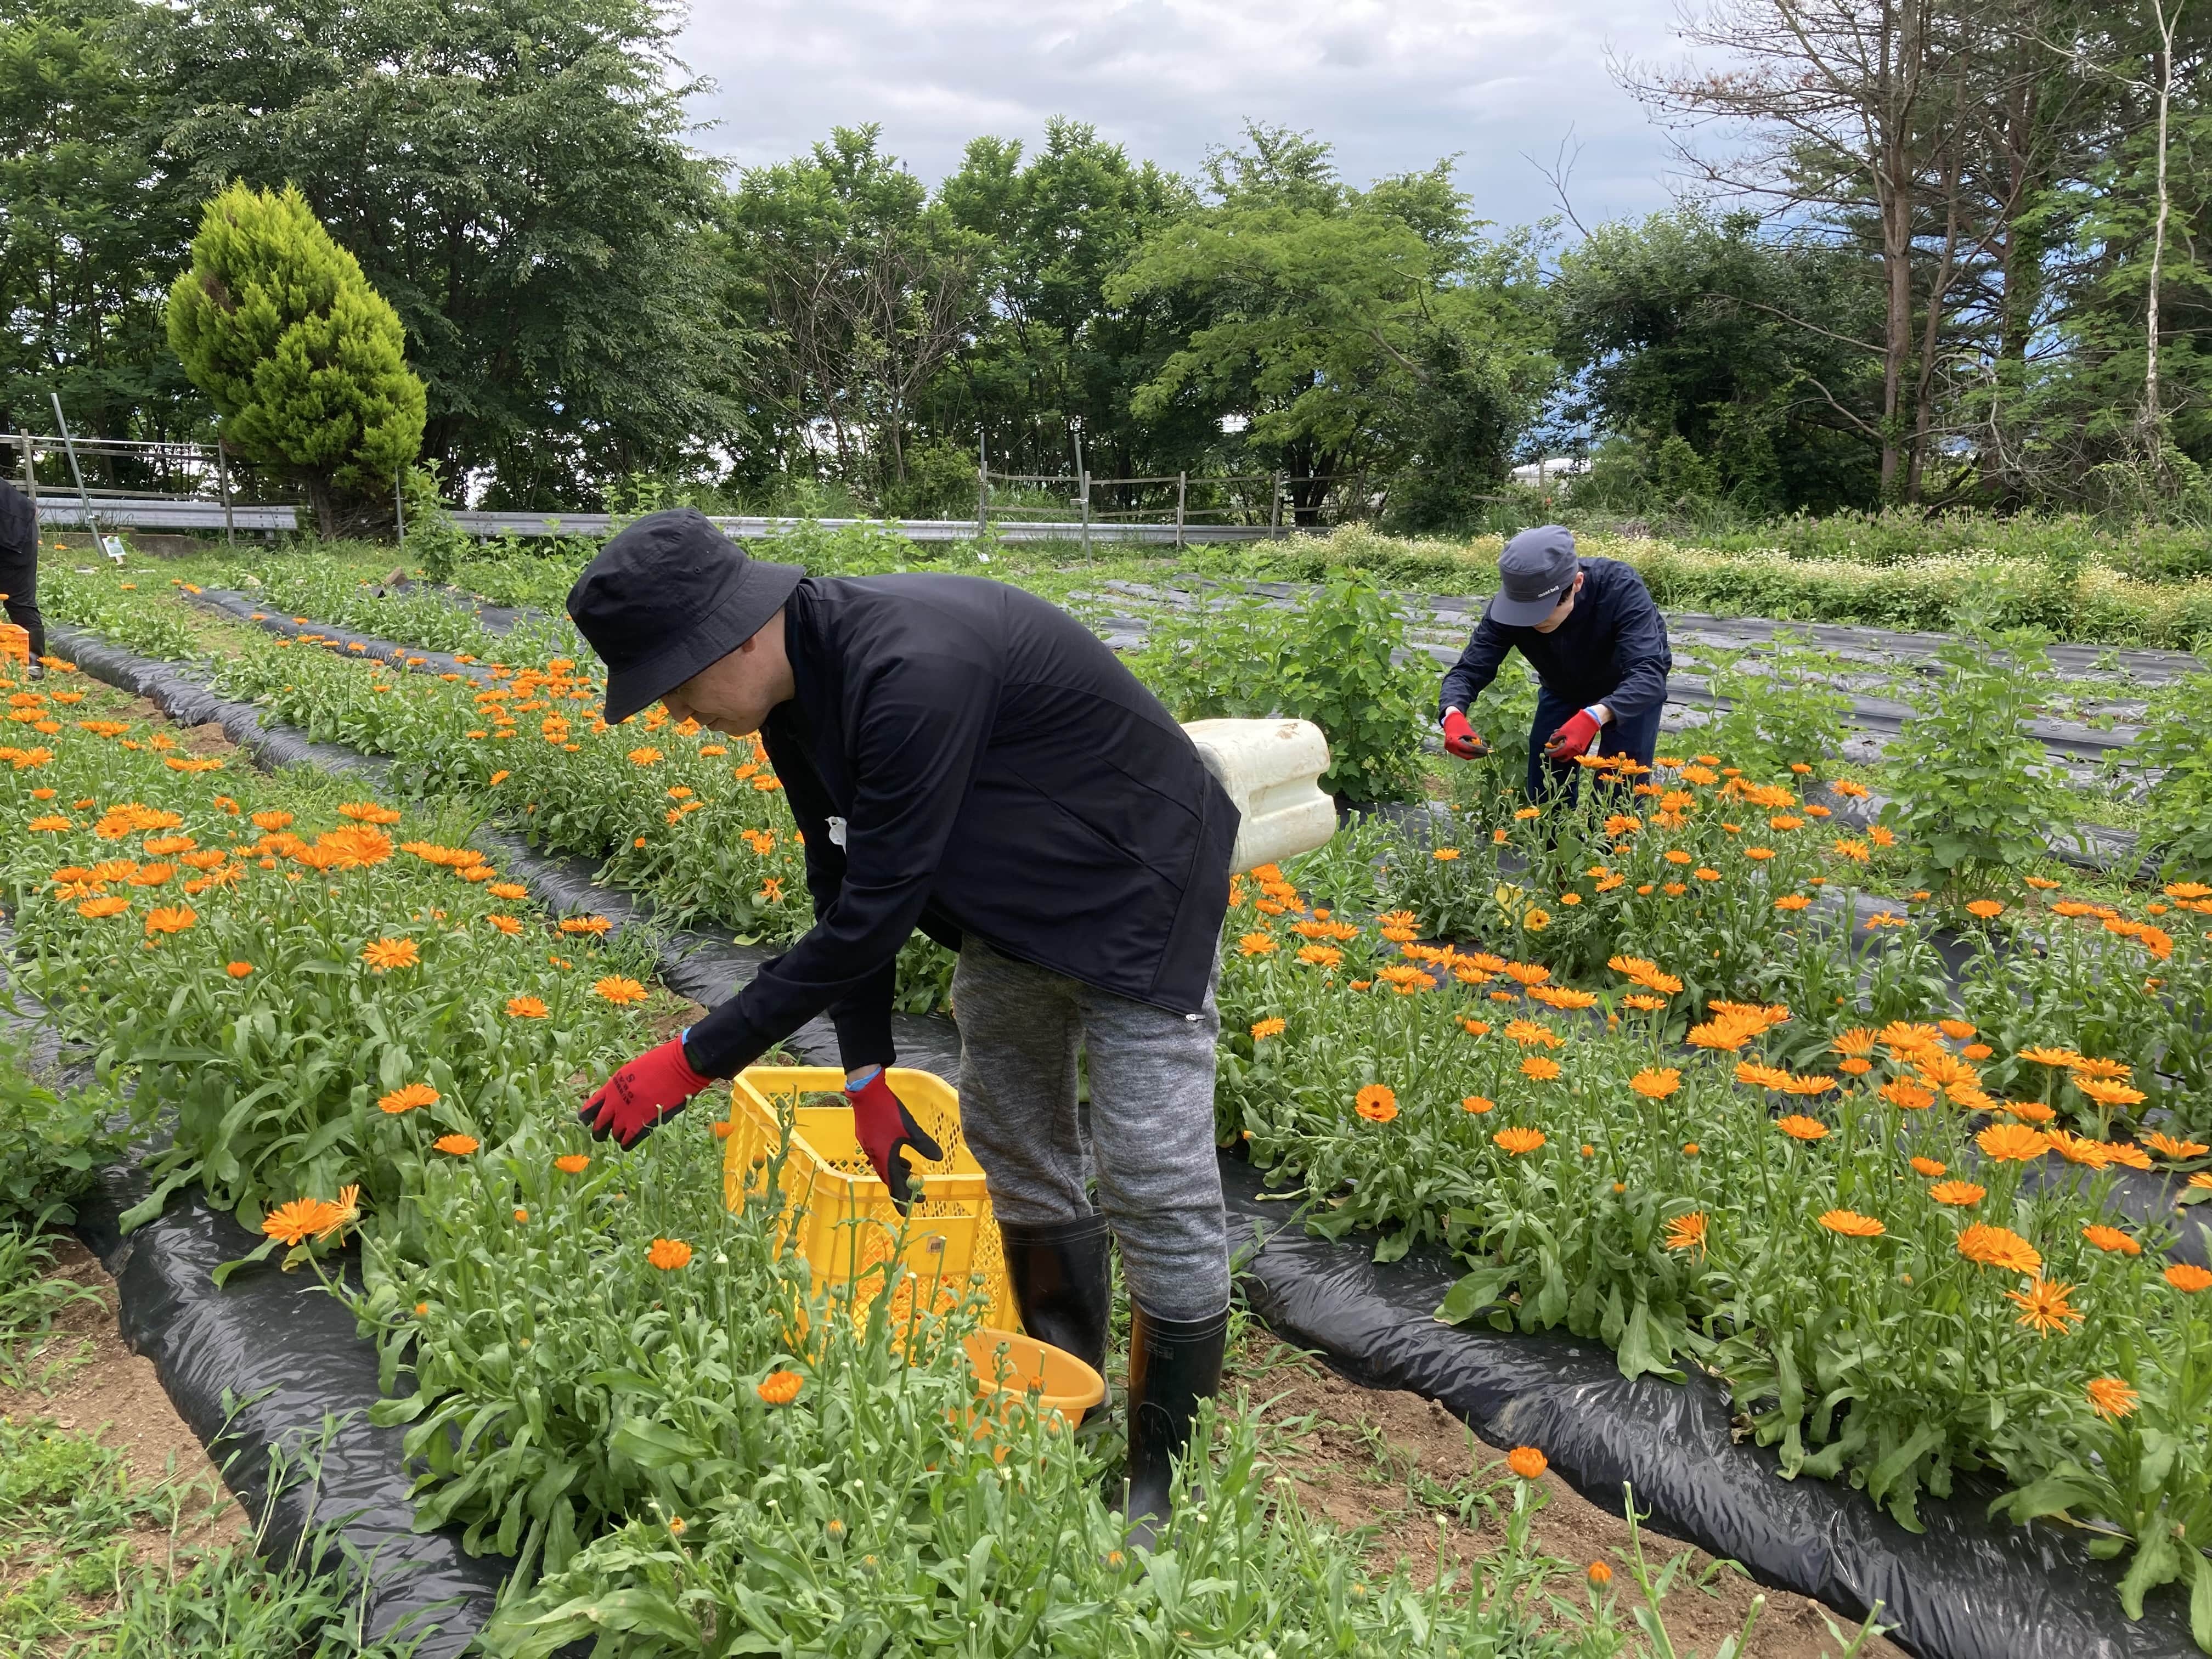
302 359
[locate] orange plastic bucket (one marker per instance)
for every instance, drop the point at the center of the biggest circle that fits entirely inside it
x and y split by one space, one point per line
1016 1370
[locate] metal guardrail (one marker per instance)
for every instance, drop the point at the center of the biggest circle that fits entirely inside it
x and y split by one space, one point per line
159 513
917 530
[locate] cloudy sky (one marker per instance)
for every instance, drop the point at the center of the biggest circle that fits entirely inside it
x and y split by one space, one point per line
1394 84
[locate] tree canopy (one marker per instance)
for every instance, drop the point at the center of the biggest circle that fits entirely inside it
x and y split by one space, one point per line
1973 277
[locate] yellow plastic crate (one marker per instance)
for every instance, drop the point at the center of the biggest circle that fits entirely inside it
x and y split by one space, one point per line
839 1216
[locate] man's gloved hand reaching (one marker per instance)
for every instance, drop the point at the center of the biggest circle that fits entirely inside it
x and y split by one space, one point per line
885 1129
1461 739
1575 738
643 1095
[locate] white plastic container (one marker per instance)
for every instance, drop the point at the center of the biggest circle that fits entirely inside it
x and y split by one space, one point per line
1271 770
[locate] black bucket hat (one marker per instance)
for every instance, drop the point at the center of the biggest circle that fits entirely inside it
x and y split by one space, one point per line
665 597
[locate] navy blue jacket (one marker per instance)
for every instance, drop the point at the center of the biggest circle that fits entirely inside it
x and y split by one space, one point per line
1611 649
997 771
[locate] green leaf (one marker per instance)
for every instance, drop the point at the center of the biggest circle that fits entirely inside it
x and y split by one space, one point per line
1471 1295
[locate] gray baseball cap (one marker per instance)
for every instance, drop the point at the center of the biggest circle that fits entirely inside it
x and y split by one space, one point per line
1535 572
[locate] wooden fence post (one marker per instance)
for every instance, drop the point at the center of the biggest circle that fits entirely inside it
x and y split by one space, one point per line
1182 486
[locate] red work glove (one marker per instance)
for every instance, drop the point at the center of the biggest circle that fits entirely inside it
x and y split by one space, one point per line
884 1128
1575 738
1462 740
643 1095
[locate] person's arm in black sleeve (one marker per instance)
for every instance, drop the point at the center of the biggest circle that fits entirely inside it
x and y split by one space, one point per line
925 722
862 1019
1467 678
1639 650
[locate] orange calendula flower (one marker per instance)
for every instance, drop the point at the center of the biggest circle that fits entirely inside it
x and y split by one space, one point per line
1991 1246
106 904
1527 1462
1760 1076
1957 1029
525 1008
456 1145
583 924
1642 1002
2111 1239
1377 1102
1516 1142
618 990
1686 1233
644 756
2179 1151
270 821
1798 1126
1657 1083
1600 1574
1541 1067
1262 1029
2040 1056
368 812
1929 1167
1851 1224
1904 1093
1962 1194
1478 1104
1986 909
302 1218
780 1387
407 1097
1258 944
172 919
2105 1092
572 1164
668 1254
237 969
507 889
2044 1307
2012 1143
382 954
2110 1397
2187 1276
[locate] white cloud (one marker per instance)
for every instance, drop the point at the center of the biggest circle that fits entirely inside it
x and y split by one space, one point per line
1393 85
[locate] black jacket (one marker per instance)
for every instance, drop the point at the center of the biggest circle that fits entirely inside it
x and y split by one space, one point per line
1611 649
997 771
19 523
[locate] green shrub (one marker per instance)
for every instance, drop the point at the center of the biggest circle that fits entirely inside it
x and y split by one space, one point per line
304 361
1975 798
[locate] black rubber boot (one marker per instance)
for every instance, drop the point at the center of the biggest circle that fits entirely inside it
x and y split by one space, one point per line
1173 1364
1063 1283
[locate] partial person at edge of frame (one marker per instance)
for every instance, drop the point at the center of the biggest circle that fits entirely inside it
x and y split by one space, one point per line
19 568
1599 647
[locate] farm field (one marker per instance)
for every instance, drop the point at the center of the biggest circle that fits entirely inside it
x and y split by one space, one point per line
1805 1064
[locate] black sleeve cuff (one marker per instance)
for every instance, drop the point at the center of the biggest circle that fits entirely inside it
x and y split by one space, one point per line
863 1020
724 1043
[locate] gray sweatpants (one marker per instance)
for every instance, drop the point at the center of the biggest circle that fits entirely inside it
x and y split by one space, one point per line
1149 1129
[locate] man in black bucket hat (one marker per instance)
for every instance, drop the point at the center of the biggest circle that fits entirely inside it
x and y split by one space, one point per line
1599 647
962 757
